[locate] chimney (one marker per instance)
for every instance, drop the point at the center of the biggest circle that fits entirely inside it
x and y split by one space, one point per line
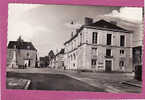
113 22
88 20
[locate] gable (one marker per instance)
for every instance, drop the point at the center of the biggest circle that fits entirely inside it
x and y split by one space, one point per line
102 24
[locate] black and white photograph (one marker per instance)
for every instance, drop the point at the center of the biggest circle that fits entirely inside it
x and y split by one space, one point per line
74 48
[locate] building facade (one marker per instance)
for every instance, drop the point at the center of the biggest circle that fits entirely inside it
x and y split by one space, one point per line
21 54
44 62
99 46
138 46
57 62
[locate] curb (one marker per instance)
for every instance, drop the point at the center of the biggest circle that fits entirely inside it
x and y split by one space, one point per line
107 88
129 83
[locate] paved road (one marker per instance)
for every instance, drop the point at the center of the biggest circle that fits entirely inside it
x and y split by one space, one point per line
108 81
54 82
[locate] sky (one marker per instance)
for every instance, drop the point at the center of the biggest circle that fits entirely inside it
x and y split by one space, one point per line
49 26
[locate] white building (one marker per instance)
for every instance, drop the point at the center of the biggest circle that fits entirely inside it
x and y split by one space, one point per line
99 46
57 62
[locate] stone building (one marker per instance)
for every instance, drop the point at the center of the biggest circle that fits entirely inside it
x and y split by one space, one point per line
99 46
51 57
57 62
138 45
21 54
52 63
138 37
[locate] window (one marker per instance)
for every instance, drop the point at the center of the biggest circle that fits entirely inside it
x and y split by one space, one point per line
121 51
80 38
94 62
109 39
74 64
94 38
108 52
62 63
94 51
28 55
71 57
122 40
74 56
121 63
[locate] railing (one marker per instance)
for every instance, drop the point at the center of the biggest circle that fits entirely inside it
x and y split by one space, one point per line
108 56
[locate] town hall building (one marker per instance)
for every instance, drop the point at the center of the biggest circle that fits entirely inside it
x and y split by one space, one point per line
21 54
99 46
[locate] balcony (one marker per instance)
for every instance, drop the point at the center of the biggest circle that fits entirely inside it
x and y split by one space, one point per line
108 56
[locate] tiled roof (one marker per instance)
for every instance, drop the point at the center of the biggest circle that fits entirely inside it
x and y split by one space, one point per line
101 24
107 25
21 45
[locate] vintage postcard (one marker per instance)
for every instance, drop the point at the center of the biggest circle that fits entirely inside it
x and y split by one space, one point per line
55 49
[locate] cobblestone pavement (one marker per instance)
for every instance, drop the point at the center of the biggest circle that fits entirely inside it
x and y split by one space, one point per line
111 82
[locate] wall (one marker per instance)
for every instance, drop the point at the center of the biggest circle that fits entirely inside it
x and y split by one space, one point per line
21 55
84 50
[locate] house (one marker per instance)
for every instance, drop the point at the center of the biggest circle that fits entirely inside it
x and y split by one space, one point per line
21 54
57 62
138 45
44 61
59 57
138 37
52 63
51 57
99 46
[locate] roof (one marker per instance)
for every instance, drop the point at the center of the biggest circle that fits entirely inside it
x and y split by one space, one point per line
21 45
51 54
102 25
107 25
77 32
61 52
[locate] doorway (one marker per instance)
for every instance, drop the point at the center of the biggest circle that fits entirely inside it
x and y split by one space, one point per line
108 65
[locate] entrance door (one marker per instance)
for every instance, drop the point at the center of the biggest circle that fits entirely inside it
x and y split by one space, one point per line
108 65
26 63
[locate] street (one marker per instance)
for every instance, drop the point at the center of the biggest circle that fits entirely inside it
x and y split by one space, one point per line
50 79
53 82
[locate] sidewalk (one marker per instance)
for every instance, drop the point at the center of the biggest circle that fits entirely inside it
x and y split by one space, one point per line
95 84
133 82
106 81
